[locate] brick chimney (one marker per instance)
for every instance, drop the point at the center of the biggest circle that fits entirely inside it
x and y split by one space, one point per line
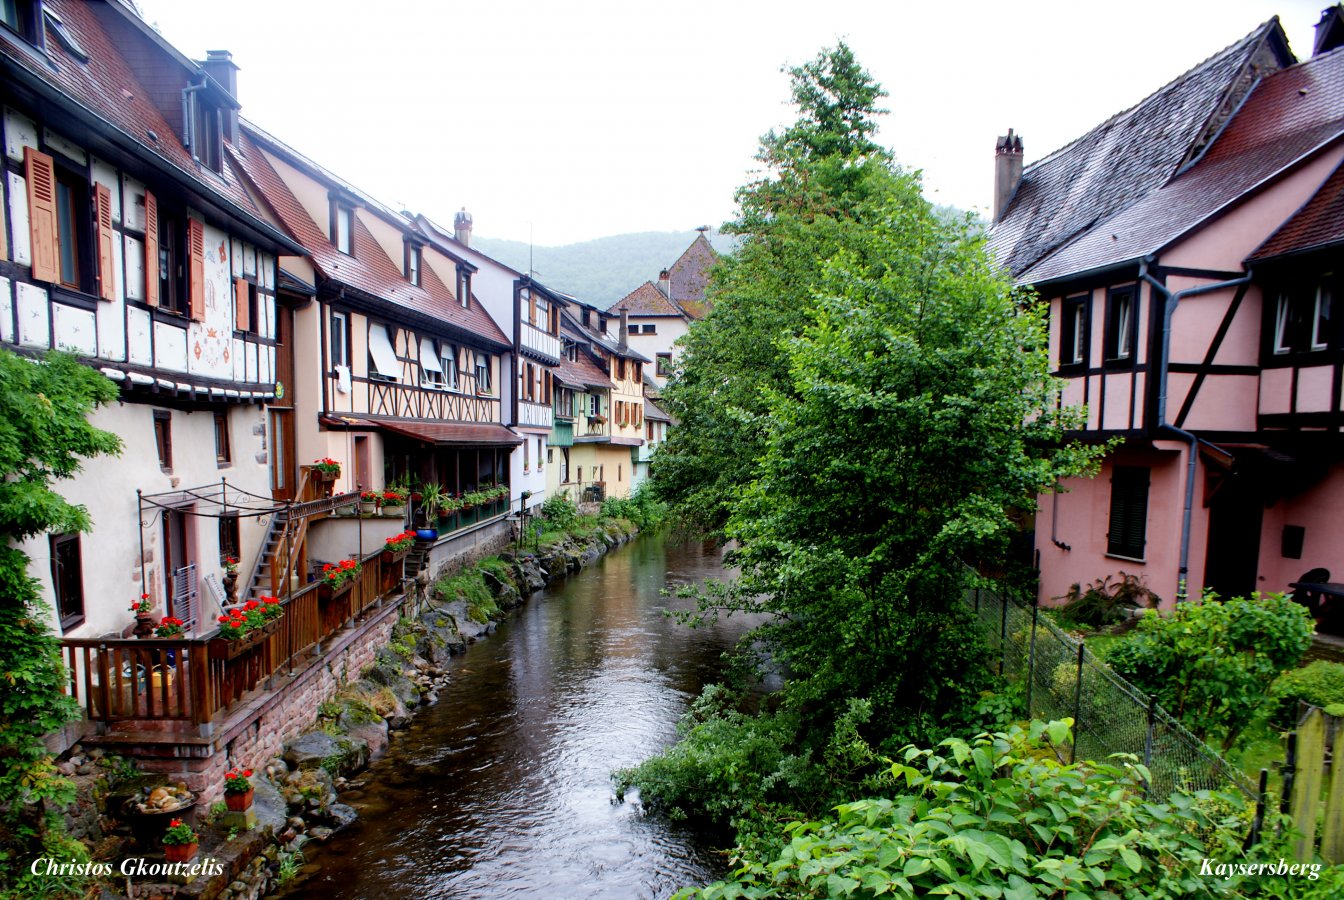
665 282
219 65
1330 30
1007 171
462 227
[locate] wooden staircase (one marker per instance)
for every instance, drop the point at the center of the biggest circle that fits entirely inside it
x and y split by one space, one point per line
284 549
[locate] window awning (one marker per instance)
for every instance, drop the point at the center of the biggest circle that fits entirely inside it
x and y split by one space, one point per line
429 356
384 357
451 434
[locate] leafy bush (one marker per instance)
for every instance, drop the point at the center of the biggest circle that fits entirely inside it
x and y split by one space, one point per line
640 507
1103 603
1000 816
559 511
1319 683
1211 664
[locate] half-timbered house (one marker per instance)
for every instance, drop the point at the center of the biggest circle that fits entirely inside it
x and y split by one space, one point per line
1188 250
128 239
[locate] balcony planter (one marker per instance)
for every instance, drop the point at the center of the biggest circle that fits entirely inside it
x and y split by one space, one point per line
391 557
225 649
326 593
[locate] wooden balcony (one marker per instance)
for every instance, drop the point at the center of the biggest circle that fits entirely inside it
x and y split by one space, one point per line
536 415
539 341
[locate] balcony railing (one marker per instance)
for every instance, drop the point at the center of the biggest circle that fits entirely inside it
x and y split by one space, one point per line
534 338
539 415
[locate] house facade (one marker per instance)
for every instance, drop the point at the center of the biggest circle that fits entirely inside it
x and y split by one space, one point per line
128 238
1187 249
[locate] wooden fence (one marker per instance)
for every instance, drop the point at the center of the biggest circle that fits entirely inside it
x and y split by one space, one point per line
1313 789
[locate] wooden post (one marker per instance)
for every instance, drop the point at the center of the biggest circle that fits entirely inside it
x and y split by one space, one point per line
1307 785
1332 836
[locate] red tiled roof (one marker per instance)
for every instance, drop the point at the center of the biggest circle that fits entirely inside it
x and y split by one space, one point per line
689 276
369 269
450 434
107 86
1290 114
1126 158
647 300
1319 223
581 374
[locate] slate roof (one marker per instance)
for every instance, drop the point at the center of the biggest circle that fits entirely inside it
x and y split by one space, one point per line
652 411
571 323
689 276
1319 223
647 300
1289 115
1128 156
107 87
369 269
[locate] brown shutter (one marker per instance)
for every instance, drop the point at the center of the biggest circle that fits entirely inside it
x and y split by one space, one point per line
151 249
102 225
40 172
196 273
242 313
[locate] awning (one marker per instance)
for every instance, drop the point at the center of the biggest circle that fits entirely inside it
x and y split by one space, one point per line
384 357
429 356
449 434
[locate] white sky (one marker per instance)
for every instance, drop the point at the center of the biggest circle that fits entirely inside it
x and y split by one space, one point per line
566 121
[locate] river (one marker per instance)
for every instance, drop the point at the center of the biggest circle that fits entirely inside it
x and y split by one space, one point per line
502 788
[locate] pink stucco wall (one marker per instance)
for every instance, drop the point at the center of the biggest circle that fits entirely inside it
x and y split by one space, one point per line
1318 510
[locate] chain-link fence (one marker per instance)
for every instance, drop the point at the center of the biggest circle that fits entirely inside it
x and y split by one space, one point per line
1064 679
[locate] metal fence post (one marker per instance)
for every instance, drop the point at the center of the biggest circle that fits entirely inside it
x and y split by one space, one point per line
1289 770
1077 706
1031 656
1003 634
977 601
1152 724
1258 822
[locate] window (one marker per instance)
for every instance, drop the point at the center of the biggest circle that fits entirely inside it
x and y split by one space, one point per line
246 311
664 364
464 286
1074 333
172 276
482 373
73 225
21 17
163 438
650 329
413 264
343 228
222 455
1320 320
594 405
1304 318
67 578
448 360
229 542
385 366
207 133
340 336
1121 325
1129 511
431 369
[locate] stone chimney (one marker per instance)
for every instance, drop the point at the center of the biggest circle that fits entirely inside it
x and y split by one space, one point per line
219 65
1330 30
1007 171
624 334
462 227
665 282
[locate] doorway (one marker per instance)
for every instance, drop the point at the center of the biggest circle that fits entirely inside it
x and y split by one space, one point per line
1236 512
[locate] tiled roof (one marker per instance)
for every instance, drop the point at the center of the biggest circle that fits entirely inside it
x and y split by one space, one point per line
582 374
571 323
1288 115
647 300
689 276
1319 223
1133 153
652 411
369 269
107 87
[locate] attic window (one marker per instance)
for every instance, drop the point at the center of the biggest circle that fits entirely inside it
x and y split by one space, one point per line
413 264
343 228
206 137
22 17
63 35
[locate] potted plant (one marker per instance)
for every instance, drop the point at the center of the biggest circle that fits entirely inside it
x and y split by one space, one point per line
369 501
431 499
169 626
338 578
327 469
144 621
231 579
180 842
397 546
238 789
394 501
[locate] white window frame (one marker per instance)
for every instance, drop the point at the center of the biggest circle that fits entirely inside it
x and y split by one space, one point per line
1124 318
1281 319
344 230
448 359
1079 311
431 372
340 322
383 354
482 370
1324 299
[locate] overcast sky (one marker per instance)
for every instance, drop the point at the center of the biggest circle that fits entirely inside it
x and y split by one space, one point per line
567 121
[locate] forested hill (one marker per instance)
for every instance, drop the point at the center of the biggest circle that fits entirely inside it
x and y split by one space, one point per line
601 271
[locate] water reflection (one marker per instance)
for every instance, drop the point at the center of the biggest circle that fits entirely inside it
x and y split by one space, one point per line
502 789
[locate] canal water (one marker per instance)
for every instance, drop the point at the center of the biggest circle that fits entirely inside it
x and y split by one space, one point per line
503 788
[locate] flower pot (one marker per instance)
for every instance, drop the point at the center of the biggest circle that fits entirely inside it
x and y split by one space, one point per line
225 649
239 802
427 534
326 593
180 852
391 556
368 509
144 625
397 512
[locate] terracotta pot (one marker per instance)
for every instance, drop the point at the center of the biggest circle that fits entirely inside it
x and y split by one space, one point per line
239 802
180 852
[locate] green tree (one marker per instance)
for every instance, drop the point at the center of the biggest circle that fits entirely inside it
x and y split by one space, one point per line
825 183
1212 663
44 435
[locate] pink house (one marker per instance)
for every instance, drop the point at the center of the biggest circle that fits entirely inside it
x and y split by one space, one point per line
1190 249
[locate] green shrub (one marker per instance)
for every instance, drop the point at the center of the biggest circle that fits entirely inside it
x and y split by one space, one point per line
559 511
640 508
1319 683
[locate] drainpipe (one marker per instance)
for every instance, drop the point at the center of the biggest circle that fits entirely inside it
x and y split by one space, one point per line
1164 356
188 131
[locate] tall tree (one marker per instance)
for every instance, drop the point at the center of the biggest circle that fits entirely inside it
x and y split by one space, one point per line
824 184
44 436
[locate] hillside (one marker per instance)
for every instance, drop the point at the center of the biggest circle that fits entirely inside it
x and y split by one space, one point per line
601 271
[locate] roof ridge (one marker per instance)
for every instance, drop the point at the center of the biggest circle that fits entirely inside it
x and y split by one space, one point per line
1259 33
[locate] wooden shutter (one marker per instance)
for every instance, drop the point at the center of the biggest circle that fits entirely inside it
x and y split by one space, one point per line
196 272
107 288
1129 511
40 172
151 249
242 313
